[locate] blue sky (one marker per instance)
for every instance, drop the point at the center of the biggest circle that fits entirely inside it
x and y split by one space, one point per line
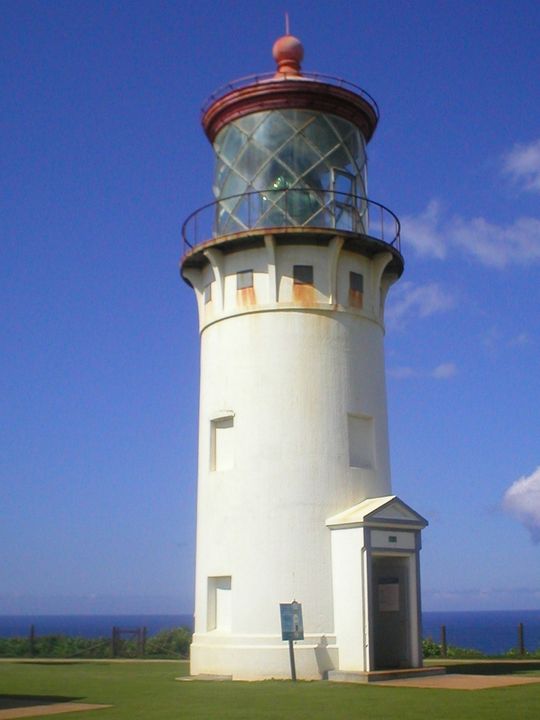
103 157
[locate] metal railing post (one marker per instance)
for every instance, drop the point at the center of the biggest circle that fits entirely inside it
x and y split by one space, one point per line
444 645
521 640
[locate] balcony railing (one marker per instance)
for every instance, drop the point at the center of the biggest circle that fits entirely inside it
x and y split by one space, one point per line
272 76
291 208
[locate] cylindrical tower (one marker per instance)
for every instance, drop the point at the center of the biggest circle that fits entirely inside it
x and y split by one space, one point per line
290 266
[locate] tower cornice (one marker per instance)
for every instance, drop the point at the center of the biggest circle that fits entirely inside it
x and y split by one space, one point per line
304 92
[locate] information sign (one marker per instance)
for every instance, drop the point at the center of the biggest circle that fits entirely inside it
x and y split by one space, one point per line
292 626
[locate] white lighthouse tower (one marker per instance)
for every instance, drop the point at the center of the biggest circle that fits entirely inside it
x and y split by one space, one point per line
290 266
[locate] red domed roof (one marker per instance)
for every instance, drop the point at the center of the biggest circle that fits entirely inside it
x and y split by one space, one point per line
288 53
288 87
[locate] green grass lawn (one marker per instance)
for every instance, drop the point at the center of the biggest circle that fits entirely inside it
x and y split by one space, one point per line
149 691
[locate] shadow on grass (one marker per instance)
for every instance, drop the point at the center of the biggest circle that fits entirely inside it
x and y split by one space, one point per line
8 702
494 668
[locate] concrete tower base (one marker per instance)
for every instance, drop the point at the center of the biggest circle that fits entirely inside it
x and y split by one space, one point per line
263 657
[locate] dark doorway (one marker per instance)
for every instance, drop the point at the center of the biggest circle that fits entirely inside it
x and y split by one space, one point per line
390 603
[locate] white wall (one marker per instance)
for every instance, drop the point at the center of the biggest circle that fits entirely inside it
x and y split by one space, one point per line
291 372
349 576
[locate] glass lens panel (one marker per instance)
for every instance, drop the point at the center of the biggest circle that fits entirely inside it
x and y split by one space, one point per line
222 170
275 176
321 135
248 123
251 161
341 160
273 131
232 143
298 155
242 212
297 118
318 177
342 127
233 185
321 155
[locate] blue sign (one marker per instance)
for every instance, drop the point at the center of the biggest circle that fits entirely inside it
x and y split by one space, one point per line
292 626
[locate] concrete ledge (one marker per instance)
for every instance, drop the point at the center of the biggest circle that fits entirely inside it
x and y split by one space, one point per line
383 675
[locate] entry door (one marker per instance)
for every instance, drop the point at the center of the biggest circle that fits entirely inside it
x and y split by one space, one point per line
389 593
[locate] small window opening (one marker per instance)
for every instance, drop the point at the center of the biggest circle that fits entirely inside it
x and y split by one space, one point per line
357 282
356 290
361 441
244 279
221 444
303 274
219 609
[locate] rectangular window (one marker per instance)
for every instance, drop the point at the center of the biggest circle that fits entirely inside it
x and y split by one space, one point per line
221 444
357 282
244 279
343 183
360 441
356 290
303 274
219 615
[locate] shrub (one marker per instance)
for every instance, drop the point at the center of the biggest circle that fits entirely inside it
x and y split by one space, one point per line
430 648
169 643
463 653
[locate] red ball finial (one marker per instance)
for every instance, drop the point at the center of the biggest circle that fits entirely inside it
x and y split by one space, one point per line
288 53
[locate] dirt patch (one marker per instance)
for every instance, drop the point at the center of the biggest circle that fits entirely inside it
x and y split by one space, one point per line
456 681
18 706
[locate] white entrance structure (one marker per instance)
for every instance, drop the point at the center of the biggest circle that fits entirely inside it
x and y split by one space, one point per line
291 266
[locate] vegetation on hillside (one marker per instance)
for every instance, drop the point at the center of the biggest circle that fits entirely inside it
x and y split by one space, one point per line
171 644
165 644
432 649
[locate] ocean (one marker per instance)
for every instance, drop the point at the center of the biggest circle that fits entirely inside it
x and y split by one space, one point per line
88 626
491 631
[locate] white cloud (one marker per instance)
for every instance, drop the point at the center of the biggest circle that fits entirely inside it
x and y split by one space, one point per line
402 373
498 245
522 163
422 231
522 500
429 233
410 300
521 339
444 371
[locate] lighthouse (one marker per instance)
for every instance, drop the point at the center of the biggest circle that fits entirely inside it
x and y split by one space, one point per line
291 264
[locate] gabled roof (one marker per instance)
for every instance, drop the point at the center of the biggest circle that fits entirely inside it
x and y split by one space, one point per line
388 511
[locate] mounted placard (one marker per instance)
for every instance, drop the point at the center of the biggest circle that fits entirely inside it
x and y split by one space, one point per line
292 626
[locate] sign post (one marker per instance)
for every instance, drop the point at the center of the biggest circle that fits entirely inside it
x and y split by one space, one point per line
292 628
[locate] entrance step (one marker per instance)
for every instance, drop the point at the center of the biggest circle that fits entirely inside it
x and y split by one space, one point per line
382 675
